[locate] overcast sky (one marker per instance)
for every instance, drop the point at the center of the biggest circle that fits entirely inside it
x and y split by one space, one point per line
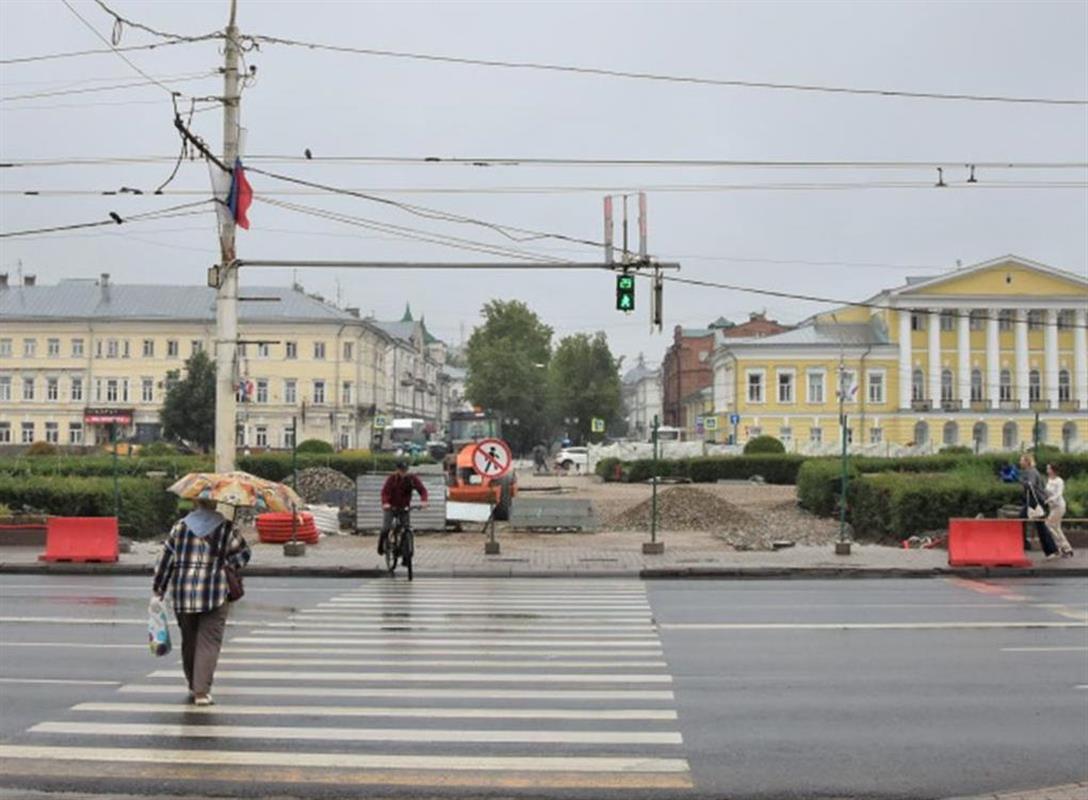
354 105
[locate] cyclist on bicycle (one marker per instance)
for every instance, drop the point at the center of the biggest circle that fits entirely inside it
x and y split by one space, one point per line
397 495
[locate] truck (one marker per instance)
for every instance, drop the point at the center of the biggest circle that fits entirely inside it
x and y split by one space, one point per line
405 434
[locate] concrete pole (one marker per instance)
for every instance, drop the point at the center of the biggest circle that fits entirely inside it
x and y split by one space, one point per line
226 301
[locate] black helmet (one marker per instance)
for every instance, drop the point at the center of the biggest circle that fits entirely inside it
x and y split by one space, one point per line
401 463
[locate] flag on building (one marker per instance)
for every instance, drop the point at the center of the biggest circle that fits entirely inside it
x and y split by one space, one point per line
240 196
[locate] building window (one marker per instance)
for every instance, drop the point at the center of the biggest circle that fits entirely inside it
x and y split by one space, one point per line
77 390
5 433
111 348
262 350
147 390
111 390
978 319
319 351
917 321
976 386
876 388
28 388
319 392
98 348
1004 319
149 348
52 347
1035 319
816 435
1064 393
349 351
5 388
290 392
52 432
289 438
816 388
1010 438
346 393
951 433
98 390
126 350
77 348
917 386
785 387
30 348
262 436
921 433
172 348
785 434
195 346
262 390
345 438
1005 386
52 389
946 386
291 350
241 350
1035 386
28 433
876 435
755 387
5 348
948 321
75 433
1066 319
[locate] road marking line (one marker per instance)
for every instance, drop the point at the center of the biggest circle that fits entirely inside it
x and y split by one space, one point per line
102 621
268 732
467 652
438 601
1044 649
464 662
415 692
831 626
383 711
1081 686
471 616
65 681
454 627
301 628
279 638
295 758
423 677
77 645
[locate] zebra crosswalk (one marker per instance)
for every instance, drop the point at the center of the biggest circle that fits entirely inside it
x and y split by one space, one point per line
460 685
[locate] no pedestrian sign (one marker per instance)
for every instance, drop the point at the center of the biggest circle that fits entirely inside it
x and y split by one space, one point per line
492 458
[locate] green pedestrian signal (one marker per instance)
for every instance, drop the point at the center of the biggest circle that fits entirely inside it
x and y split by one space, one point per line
625 292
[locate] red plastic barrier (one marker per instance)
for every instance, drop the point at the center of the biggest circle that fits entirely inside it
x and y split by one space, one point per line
986 543
80 539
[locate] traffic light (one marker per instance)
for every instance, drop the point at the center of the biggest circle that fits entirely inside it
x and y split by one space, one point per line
625 292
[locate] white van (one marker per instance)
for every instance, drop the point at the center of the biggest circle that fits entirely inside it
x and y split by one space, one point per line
667 433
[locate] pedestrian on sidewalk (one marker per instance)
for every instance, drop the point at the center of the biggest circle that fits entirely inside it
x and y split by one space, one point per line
195 555
1055 501
1034 507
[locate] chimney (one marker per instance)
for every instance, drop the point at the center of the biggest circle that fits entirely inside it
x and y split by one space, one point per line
353 310
104 282
29 280
3 280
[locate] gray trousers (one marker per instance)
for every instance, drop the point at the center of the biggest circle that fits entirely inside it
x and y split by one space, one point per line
201 640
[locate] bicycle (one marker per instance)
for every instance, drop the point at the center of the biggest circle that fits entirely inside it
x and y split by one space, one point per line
401 543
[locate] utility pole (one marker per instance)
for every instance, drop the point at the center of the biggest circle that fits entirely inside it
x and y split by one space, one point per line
226 300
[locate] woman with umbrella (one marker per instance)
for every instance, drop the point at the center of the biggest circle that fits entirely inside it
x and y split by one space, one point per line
201 548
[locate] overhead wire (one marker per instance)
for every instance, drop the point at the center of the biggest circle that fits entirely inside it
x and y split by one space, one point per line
115 219
81 53
94 89
120 20
666 78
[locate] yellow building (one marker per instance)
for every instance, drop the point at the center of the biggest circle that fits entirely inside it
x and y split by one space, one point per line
80 355
965 358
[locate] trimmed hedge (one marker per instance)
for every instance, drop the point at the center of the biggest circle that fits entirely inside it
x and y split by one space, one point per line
147 509
277 466
819 484
762 445
102 466
774 468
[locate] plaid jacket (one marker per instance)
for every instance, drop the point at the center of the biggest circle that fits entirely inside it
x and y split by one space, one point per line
190 566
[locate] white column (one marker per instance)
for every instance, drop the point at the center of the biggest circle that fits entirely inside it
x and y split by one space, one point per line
905 359
993 357
963 351
1021 379
1050 357
1080 359
933 324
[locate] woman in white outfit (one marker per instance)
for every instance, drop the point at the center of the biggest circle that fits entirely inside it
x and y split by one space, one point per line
1055 500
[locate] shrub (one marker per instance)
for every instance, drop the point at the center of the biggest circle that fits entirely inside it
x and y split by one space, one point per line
147 509
764 444
956 450
41 449
314 446
1076 497
277 466
643 469
103 465
606 468
777 468
158 449
819 484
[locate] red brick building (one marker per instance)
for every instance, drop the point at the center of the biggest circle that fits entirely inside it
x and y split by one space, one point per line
687 366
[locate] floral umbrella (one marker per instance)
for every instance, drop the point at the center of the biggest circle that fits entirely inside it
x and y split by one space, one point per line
237 489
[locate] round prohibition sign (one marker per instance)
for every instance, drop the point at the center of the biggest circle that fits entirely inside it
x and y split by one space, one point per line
492 458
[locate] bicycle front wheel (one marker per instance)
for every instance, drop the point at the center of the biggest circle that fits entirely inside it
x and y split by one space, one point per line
392 547
407 551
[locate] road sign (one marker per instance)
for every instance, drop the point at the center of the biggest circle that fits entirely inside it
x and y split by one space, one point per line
710 423
597 425
492 458
380 421
734 419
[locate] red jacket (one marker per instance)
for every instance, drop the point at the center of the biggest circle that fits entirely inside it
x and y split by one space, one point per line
397 491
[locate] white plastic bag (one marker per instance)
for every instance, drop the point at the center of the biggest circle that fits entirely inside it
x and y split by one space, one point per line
158 628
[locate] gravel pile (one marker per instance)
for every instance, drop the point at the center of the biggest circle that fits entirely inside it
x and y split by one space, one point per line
689 508
314 482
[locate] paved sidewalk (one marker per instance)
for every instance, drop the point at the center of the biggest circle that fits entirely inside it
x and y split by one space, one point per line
606 554
1068 791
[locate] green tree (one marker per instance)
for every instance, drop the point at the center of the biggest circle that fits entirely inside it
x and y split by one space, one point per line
189 409
585 383
507 360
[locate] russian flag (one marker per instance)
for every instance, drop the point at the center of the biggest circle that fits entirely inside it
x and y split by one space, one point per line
240 196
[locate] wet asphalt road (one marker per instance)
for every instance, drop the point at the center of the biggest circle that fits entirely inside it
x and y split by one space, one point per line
556 688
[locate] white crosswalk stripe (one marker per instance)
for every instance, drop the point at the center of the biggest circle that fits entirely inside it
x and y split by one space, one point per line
461 684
